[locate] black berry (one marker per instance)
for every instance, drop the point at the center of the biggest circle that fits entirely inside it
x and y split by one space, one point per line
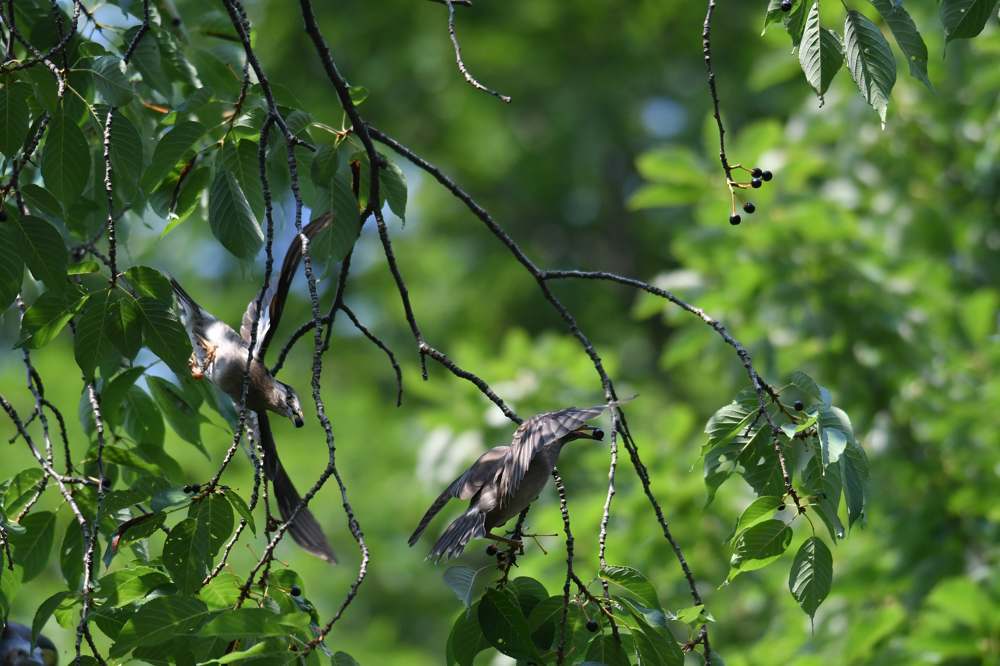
798 405
187 489
767 175
735 219
296 591
786 5
106 484
781 507
756 173
748 207
592 626
755 183
176 21
491 550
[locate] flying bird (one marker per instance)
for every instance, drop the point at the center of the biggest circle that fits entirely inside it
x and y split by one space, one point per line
506 479
220 355
16 648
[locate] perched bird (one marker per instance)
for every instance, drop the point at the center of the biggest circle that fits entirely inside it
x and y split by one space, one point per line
220 354
506 479
16 648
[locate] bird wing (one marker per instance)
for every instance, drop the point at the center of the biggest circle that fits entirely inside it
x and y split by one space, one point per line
263 323
194 316
480 474
275 298
532 435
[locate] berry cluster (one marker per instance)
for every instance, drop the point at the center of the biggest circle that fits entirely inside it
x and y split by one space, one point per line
758 177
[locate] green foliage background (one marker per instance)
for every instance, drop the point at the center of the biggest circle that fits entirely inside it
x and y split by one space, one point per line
872 263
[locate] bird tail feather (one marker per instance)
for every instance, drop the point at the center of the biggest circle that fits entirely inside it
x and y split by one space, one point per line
305 529
429 515
470 525
187 303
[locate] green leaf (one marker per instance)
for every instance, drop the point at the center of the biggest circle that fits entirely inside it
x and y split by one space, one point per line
529 593
11 266
182 417
65 159
33 547
819 54
634 583
655 645
231 218
42 248
142 419
44 612
907 37
870 61
214 515
811 575
243 622
835 432
164 334
462 579
393 186
604 649
241 507
344 659
466 639
170 150
162 619
504 625
21 489
92 343
48 315
124 586
854 472
965 19
151 283
186 555
793 20
113 393
110 80
147 59
760 509
13 119
42 203
242 161
825 485
126 156
222 591
71 554
759 546
731 421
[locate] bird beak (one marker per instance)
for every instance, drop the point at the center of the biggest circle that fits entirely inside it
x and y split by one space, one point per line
297 420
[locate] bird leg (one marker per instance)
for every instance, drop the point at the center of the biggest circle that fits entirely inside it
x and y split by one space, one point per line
199 362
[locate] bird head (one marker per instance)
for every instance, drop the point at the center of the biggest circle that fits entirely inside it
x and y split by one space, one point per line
586 432
16 648
293 408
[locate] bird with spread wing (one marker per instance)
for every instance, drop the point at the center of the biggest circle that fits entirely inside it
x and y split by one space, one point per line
220 354
506 479
18 648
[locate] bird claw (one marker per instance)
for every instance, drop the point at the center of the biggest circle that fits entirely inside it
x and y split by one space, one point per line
199 363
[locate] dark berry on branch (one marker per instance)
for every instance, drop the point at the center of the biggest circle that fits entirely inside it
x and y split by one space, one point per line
798 406
296 591
756 173
748 207
491 550
767 175
735 219
755 183
781 507
786 5
592 626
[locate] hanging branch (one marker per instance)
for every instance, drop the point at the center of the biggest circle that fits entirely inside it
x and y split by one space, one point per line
458 57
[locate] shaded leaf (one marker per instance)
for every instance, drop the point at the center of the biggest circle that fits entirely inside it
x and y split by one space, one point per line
186 555
230 217
65 159
111 81
819 54
13 119
162 619
169 151
42 249
907 37
505 626
870 61
811 575
33 546
48 315
634 583
965 19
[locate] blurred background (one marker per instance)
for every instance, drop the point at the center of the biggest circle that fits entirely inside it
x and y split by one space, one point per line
872 264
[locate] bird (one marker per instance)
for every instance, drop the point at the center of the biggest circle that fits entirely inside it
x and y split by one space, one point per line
507 478
220 355
17 649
